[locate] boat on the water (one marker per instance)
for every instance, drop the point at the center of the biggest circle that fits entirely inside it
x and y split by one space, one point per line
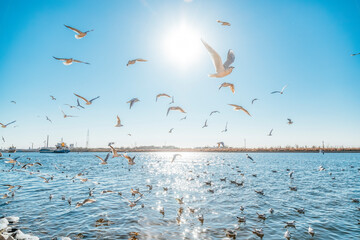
46 148
12 149
61 147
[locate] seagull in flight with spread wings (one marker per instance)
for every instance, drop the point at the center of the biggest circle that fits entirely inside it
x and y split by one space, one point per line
69 61
118 124
205 124
162 95
221 69
47 118
237 108
79 34
103 161
132 101
66 116
255 99
130 62
5 125
224 23
281 92
214 112
86 101
175 109
230 85
225 130
270 133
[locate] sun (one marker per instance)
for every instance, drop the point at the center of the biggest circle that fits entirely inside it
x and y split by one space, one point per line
182 45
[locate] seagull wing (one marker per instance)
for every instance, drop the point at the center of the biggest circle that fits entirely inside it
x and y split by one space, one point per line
94 98
140 60
241 108
215 58
180 109
78 61
61 59
230 59
234 105
282 90
10 123
74 29
275 92
87 102
232 87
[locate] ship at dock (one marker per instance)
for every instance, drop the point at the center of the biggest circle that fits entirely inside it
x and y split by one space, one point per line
12 149
46 148
61 147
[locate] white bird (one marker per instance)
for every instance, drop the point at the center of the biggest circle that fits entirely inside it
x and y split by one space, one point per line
118 124
79 34
170 131
291 174
223 23
258 232
311 231
225 130
162 95
281 92
3 138
220 144
221 69
205 124
175 156
103 161
255 99
290 121
130 62
114 152
175 109
5 125
69 61
230 85
237 108
287 235
247 156
52 97
270 133
214 112
132 101
183 118
88 102
67 116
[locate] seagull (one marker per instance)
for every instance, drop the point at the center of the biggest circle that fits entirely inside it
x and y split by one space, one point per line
47 118
287 235
71 106
258 232
183 118
220 144
311 231
130 159
52 97
172 100
290 224
13 102
162 95
289 121
170 131
261 216
300 210
103 161
79 34
3 138
237 108
5 125
87 102
291 174
225 130
205 124
223 23
281 92
270 133
78 103
221 69
201 219
132 101
175 109
114 152
85 202
66 116
214 112
69 61
247 156
130 62
230 85
175 156
118 124
354 54
255 99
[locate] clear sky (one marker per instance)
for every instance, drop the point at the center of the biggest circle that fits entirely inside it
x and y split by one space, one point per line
305 44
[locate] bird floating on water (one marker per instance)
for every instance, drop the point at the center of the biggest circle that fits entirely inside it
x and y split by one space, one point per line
79 34
311 231
221 69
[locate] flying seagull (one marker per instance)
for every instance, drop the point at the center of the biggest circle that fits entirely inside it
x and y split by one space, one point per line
78 103
118 124
281 92
237 108
270 133
87 102
52 97
162 95
71 106
230 85
223 23
252 102
205 124
221 144
66 116
249 157
13 102
175 109
47 118
3 138
183 118
214 112
132 101
103 161
225 130
170 131
175 156
69 61
354 54
172 100
5 125
290 121
79 34
130 62
221 69
114 152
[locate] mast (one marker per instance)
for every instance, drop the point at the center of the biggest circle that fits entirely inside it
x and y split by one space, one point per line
87 139
47 141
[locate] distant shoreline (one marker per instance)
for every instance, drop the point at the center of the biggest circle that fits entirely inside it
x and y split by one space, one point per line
215 150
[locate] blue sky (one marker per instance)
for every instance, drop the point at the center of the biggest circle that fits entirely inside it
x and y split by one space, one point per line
303 44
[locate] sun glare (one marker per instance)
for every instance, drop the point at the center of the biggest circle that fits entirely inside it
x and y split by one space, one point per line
182 45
